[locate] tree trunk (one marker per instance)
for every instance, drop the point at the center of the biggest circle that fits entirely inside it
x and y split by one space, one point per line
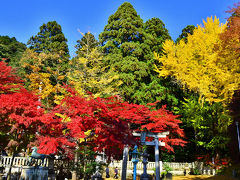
74 173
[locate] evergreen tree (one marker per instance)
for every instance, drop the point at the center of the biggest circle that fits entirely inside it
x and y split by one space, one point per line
11 50
128 46
49 39
46 63
167 91
122 41
158 34
51 46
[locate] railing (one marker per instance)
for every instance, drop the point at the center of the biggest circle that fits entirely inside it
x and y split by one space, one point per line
150 165
20 161
176 166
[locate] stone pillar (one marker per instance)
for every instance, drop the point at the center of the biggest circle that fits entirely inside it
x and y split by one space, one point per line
145 176
124 163
51 172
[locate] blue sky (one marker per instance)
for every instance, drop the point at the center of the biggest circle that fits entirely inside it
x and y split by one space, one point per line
22 18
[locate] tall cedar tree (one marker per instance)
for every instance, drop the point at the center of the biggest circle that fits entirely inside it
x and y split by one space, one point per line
49 61
51 40
122 41
128 44
157 34
166 91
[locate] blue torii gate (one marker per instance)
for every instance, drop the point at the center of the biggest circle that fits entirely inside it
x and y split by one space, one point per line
143 141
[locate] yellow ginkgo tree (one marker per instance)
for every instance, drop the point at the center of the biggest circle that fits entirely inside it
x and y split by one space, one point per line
197 66
205 65
44 76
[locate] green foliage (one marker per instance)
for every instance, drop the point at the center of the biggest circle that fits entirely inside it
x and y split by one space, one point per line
195 171
11 50
167 157
86 165
49 39
128 45
163 174
122 41
185 32
157 34
209 122
166 167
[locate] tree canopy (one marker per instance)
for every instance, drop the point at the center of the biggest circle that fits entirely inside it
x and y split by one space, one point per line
197 66
128 46
11 50
60 130
86 44
50 38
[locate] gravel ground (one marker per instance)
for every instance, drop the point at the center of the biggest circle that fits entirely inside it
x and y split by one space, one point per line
194 177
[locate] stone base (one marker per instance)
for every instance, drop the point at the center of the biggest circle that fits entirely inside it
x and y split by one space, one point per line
145 177
97 176
34 173
168 176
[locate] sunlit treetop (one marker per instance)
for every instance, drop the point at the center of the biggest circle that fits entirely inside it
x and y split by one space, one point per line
197 66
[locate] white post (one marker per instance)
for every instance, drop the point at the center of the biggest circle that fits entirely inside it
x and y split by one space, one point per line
161 166
124 163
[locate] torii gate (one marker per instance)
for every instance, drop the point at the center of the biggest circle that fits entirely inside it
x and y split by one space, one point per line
155 143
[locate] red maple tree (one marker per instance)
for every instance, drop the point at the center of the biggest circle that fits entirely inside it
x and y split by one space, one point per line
9 82
111 122
20 111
